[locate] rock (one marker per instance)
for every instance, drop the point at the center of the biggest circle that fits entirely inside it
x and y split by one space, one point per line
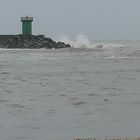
60 45
34 42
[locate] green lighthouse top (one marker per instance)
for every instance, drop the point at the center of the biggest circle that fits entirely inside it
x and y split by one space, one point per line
26 18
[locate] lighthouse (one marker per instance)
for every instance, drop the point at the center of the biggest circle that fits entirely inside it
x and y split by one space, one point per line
26 25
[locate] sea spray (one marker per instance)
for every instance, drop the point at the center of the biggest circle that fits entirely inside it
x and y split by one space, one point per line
82 41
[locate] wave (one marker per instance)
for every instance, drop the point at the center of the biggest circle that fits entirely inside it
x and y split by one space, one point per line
83 42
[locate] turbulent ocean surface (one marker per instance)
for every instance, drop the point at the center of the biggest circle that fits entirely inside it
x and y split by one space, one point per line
84 91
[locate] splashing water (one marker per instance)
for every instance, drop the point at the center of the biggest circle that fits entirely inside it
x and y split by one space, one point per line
83 42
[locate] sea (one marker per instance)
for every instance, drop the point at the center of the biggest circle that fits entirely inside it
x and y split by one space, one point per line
91 90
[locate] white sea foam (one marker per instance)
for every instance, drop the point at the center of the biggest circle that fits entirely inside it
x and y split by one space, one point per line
82 41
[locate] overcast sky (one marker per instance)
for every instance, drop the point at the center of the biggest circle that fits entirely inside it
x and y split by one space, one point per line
97 19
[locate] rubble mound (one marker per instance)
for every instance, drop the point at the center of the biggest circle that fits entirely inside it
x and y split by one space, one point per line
33 42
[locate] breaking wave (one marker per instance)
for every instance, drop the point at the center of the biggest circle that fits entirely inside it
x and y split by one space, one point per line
83 42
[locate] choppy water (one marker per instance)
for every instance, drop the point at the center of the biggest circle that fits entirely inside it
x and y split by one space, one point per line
69 93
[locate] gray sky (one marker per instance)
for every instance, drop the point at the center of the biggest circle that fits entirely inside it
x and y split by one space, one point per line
97 19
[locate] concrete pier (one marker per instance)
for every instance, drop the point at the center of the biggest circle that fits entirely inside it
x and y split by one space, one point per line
6 37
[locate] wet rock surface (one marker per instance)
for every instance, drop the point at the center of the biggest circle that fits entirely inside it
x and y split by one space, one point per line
32 42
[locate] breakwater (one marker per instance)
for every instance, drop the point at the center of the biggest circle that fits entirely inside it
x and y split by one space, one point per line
31 42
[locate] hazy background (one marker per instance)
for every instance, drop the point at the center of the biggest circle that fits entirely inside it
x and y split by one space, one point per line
97 19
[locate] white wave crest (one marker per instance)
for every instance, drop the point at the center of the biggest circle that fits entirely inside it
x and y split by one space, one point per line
83 42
